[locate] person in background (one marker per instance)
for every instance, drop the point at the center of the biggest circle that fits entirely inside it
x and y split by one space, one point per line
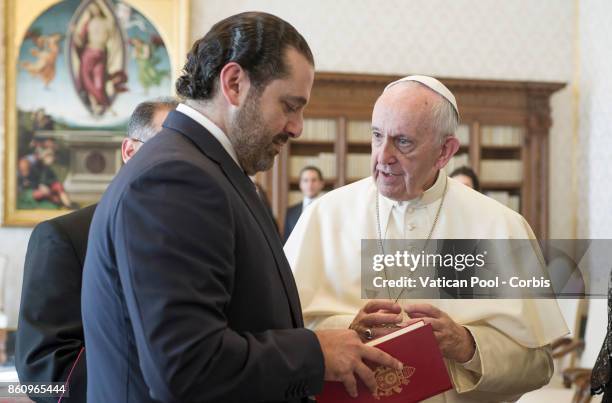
50 343
311 185
467 176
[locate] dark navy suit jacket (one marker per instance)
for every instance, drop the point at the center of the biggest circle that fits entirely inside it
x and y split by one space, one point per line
187 295
50 332
291 218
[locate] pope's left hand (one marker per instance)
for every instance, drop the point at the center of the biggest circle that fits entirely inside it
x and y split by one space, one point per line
455 341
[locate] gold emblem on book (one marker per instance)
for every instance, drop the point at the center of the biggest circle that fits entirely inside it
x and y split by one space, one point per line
390 381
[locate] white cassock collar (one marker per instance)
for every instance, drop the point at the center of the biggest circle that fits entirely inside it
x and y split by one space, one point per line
428 197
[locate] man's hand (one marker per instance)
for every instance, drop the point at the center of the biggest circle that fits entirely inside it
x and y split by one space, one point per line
378 318
455 341
344 355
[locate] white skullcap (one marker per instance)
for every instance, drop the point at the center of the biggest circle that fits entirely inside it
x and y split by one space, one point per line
432 84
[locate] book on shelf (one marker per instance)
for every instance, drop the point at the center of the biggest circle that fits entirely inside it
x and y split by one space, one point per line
318 130
359 131
501 136
500 196
424 374
501 170
358 166
514 202
458 160
505 198
463 135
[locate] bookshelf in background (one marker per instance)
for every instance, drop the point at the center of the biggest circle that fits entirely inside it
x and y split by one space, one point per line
503 135
359 147
462 157
501 163
494 152
315 147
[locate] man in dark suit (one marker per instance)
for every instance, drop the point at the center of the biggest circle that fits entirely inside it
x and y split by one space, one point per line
50 342
187 295
311 185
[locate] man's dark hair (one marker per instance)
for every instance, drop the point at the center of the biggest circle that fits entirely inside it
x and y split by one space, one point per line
256 41
467 171
140 124
312 168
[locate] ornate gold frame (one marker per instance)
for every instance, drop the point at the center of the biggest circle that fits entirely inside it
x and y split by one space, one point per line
171 18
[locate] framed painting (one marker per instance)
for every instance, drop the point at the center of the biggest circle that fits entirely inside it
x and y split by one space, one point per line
75 70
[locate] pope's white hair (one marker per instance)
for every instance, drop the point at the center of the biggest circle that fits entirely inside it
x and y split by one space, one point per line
445 119
443 114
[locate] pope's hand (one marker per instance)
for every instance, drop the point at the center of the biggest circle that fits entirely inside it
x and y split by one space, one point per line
344 355
455 341
377 318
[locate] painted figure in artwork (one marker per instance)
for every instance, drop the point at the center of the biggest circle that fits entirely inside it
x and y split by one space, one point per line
149 74
97 42
81 68
45 51
39 186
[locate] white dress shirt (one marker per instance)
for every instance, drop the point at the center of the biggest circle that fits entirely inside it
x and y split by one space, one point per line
211 127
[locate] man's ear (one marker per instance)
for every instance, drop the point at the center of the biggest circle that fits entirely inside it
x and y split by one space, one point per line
129 148
234 83
449 147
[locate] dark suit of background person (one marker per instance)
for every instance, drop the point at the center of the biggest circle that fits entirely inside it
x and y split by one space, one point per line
50 332
291 218
213 297
311 185
50 341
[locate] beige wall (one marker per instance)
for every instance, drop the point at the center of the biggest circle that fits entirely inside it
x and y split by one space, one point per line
518 40
594 146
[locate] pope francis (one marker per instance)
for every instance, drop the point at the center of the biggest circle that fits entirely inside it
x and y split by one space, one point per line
495 350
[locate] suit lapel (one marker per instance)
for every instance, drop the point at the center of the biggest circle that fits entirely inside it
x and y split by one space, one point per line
211 147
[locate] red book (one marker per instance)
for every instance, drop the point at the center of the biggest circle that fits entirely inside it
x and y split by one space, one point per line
424 374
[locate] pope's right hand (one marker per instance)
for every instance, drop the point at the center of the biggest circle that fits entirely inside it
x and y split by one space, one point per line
344 355
377 318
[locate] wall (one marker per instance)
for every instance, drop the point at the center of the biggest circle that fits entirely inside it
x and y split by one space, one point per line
517 40
464 38
595 145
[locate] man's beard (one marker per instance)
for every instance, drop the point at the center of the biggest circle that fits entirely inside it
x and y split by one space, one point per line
252 140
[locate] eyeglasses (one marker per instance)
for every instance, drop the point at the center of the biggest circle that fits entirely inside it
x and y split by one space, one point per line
138 140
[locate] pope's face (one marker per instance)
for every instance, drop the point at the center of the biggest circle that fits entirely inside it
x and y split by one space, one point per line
406 150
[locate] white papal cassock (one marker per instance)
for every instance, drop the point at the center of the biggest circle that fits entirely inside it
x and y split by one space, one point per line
512 336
